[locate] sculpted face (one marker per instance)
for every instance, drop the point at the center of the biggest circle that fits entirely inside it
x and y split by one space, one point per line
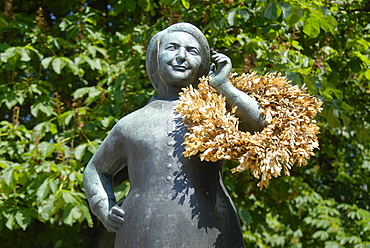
179 59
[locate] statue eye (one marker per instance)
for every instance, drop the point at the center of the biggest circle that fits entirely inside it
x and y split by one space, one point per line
193 51
171 47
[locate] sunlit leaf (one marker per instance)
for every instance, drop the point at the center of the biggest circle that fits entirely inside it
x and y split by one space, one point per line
311 26
58 64
231 17
80 151
186 4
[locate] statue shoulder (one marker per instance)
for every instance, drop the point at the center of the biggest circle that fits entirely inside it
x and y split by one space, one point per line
132 119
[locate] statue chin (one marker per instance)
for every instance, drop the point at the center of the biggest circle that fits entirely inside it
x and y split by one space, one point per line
179 79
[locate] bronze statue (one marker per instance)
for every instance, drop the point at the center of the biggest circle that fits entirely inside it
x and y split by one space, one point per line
173 201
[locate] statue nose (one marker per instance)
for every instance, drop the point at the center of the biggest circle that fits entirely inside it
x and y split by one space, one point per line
181 54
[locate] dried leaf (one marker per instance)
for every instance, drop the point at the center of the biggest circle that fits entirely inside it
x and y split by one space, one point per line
289 138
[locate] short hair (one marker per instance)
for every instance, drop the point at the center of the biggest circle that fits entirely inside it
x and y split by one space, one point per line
152 51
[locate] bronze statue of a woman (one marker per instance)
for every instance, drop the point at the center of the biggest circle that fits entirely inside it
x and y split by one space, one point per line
173 201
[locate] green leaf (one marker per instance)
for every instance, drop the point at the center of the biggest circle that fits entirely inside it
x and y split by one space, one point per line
245 216
7 175
347 107
332 120
25 54
39 130
35 109
79 60
106 121
80 151
87 215
346 120
331 89
4 164
90 62
138 48
322 235
34 88
311 26
47 109
10 55
332 244
10 223
47 209
72 66
46 148
286 8
101 51
65 118
367 74
10 100
92 147
97 64
53 128
244 14
23 219
42 191
31 48
231 17
310 82
122 190
81 92
94 93
272 11
92 50
58 64
71 215
68 198
46 62
185 3
328 23
298 233
296 14
53 185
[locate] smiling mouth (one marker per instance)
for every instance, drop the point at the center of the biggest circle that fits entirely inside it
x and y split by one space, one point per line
179 68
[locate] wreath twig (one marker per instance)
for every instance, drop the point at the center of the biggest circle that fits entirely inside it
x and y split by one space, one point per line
288 139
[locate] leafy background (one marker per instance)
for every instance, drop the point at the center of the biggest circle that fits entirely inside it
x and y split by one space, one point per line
70 69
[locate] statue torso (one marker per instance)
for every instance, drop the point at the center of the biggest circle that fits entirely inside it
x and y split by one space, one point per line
170 194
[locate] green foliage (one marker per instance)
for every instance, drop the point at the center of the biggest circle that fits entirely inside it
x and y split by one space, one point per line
71 70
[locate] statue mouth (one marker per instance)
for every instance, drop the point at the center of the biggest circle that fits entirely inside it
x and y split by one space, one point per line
180 68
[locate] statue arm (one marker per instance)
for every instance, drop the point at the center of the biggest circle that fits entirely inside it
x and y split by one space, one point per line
98 180
248 109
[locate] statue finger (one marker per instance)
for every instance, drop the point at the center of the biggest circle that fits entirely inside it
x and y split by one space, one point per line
212 70
115 220
117 211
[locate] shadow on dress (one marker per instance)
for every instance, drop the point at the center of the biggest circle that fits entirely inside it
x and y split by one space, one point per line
198 182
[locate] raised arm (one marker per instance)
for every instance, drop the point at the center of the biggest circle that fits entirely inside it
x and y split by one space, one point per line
248 109
98 180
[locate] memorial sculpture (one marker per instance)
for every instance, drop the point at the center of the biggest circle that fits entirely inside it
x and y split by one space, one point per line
175 147
174 201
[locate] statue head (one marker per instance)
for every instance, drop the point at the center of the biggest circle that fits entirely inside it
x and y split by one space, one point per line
179 54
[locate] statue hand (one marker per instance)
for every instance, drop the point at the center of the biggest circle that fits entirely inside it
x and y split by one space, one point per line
221 75
114 220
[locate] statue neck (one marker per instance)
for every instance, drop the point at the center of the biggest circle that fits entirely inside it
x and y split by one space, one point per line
169 92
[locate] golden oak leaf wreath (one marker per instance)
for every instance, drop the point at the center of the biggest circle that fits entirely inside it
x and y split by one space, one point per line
288 139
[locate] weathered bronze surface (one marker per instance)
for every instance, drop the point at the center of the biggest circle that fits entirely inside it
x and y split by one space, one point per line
173 201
